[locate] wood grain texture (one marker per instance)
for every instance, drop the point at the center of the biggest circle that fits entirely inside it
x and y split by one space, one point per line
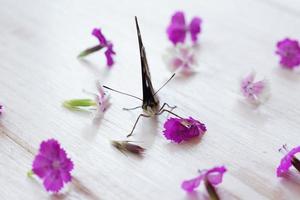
39 42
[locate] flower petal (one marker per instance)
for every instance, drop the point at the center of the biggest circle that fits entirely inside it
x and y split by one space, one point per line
177 29
215 175
41 166
98 34
195 28
53 182
286 161
192 184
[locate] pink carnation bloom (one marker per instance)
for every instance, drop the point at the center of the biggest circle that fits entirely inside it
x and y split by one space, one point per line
254 91
102 99
288 160
181 58
178 29
52 165
107 44
289 51
178 130
214 176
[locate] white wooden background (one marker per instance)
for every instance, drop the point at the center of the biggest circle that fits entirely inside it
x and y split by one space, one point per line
39 42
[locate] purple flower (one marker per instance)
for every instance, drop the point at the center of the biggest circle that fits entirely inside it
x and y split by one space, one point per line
178 130
178 29
1 109
52 165
254 91
106 44
288 160
289 51
181 58
214 176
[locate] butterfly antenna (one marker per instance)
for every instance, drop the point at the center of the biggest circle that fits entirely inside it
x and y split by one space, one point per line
165 83
122 93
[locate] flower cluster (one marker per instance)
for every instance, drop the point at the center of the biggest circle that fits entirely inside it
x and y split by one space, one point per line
52 165
178 129
182 57
289 52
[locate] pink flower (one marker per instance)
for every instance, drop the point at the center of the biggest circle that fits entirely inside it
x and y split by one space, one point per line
254 91
289 51
107 44
178 29
178 130
214 176
52 165
102 99
288 160
181 58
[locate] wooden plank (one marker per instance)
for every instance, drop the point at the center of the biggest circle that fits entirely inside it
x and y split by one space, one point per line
39 70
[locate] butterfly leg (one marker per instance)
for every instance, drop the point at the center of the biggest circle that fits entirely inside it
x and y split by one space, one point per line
127 109
136 121
166 104
168 111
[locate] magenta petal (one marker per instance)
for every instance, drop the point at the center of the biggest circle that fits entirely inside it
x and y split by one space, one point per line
53 182
109 60
192 184
41 166
50 149
98 34
286 161
215 175
195 28
177 29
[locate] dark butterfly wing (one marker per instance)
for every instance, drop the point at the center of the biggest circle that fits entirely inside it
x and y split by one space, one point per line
149 99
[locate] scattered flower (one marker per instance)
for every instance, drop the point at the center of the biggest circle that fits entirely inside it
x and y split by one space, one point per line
181 58
100 102
179 129
127 146
103 43
178 29
210 177
52 165
254 91
288 160
289 51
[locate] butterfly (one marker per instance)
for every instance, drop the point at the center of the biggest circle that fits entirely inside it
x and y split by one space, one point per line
151 104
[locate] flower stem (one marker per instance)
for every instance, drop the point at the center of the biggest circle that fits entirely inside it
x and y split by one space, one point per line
90 50
211 191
